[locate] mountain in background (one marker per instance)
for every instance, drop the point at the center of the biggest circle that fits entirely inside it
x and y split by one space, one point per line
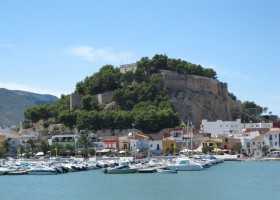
13 103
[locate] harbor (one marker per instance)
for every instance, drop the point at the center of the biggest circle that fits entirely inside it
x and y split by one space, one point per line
229 180
117 165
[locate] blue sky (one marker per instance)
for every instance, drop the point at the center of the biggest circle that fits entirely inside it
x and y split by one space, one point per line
49 46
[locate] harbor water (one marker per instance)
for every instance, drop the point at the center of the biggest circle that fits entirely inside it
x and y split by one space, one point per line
229 180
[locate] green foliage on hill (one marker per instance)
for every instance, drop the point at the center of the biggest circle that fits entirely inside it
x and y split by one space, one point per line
140 98
162 62
254 108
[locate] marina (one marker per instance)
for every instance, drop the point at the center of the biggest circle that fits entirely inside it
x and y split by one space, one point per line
118 165
230 180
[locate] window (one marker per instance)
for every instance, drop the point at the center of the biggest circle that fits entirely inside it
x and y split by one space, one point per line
226 140
157 146
276 143
254 143
176 134
270 137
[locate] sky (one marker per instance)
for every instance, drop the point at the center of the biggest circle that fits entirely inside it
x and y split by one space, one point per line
48 46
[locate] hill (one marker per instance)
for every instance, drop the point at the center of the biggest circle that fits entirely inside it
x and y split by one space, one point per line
13 103
152 94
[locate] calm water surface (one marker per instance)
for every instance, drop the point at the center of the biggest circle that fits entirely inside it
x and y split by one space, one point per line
230 180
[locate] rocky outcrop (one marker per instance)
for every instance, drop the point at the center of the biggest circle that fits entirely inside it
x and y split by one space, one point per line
196 98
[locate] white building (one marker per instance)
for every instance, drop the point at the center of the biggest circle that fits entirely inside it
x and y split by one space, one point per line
245 139
155 146
257 125
257 143
272 138
220 127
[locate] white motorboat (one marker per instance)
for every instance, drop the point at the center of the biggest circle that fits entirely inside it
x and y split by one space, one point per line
166 170
41 170
3 170
125 169
184 164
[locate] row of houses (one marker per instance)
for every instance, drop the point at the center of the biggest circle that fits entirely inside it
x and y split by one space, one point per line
221 136
176 140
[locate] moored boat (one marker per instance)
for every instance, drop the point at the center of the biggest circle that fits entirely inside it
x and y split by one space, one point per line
124 169
17 172
41 170
185 164
3 171
165 170
147 170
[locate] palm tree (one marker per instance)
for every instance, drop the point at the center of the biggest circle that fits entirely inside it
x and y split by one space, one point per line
5 147
20 150
70 149
85 142
44 147
58 149
31 145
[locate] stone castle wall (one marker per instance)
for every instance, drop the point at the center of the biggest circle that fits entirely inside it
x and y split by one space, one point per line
196 98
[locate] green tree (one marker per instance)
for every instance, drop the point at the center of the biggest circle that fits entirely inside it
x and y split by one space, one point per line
57 149
85 142
253 108
68 118
31 145
5 148
207 149
44 111
88 120
20 150
70 149
236 148
158 62
265 149
44 147
128 78
89 102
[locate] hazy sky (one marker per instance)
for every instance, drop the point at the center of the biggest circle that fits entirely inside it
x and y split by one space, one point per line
48 46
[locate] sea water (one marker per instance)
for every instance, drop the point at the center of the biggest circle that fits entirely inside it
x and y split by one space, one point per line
230 180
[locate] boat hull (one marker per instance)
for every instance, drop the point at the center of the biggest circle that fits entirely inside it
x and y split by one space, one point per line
41 172
119 171
185 168
167 171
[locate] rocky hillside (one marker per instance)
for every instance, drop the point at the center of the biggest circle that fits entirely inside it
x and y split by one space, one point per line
13 103
196 98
